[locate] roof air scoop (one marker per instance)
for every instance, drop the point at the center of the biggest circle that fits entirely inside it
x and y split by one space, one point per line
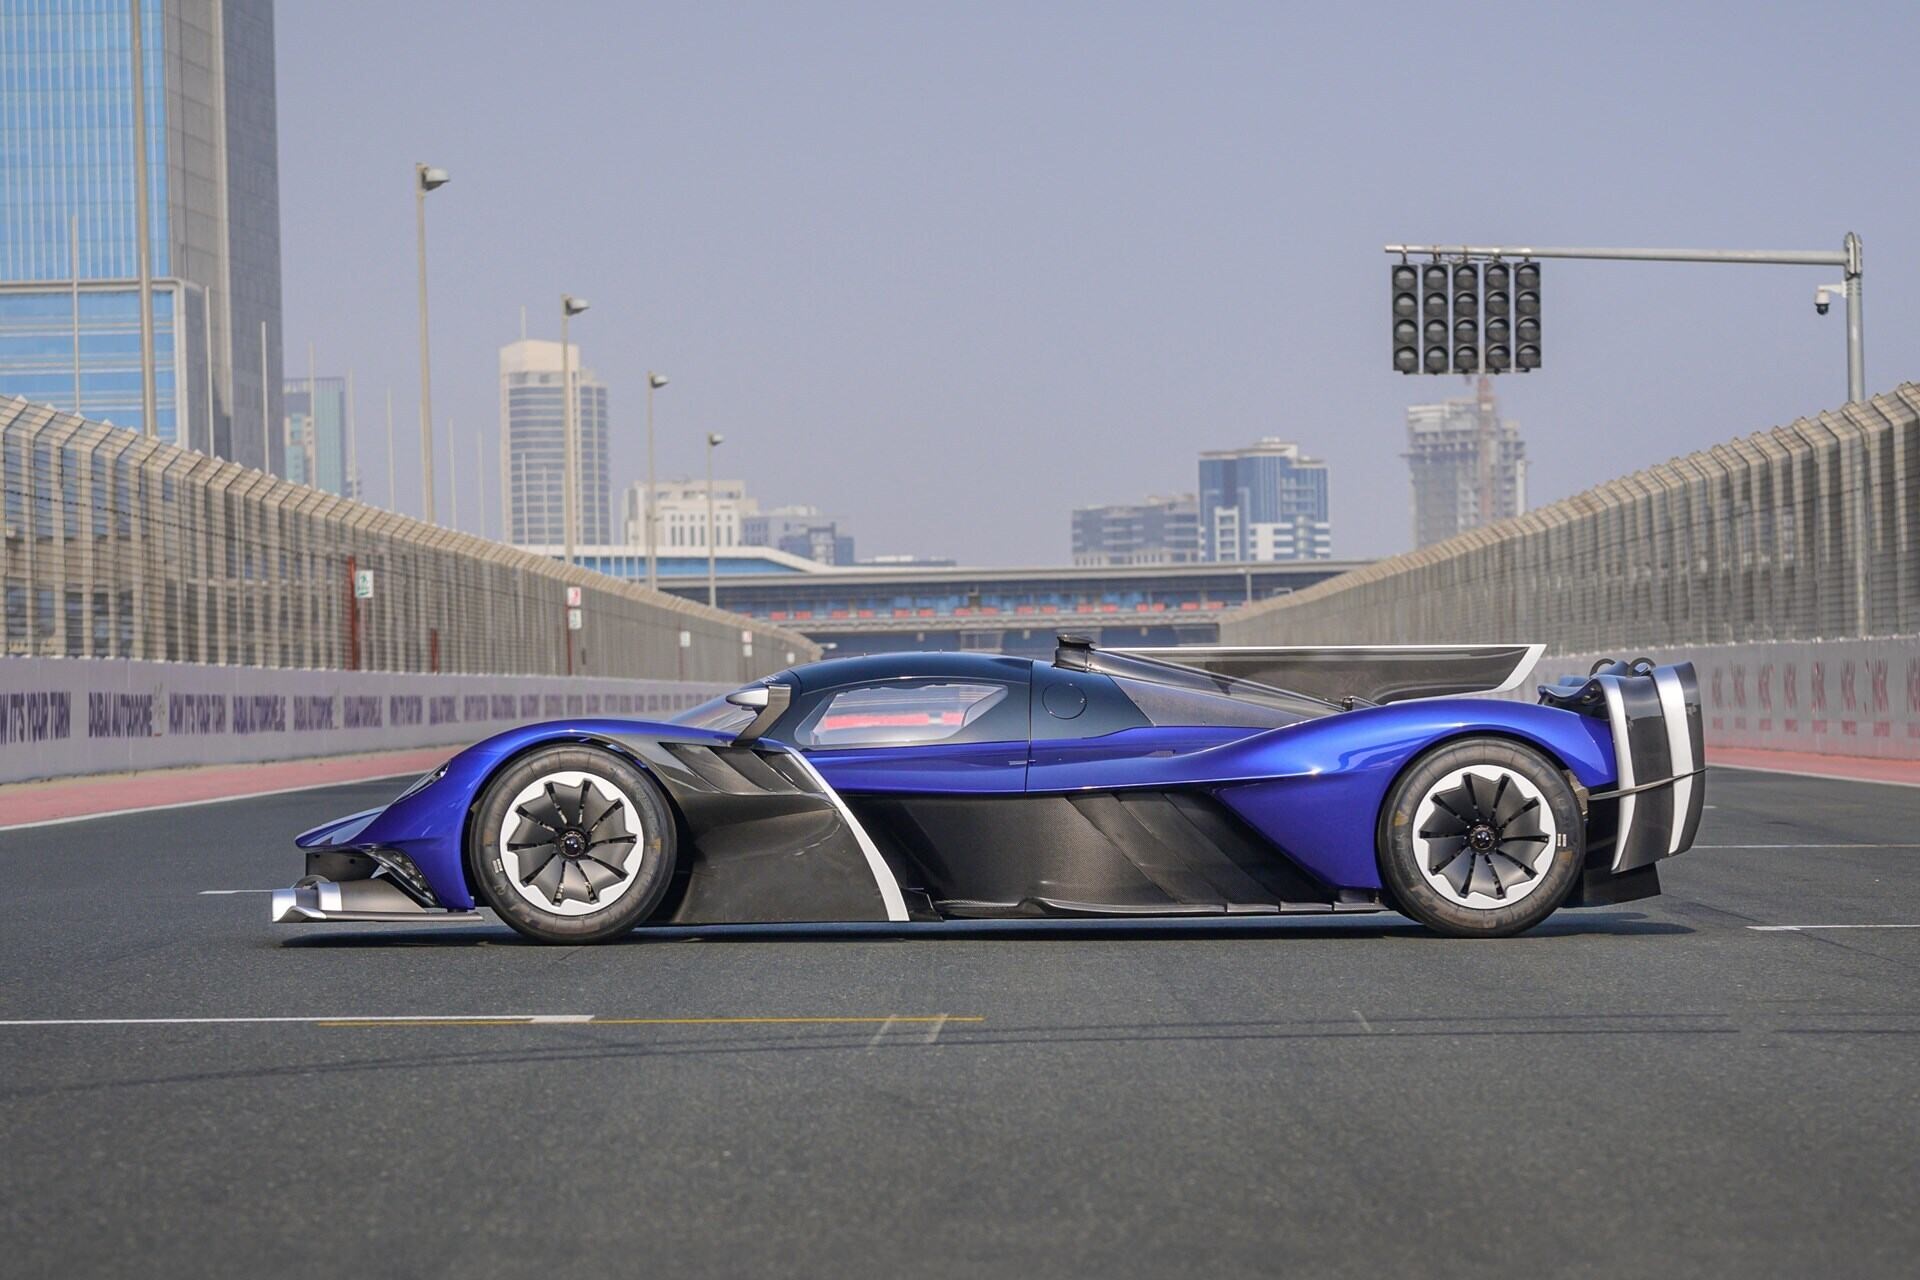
1073 652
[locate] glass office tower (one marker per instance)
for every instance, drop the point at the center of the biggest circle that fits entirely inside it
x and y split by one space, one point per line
69 235
316 435
533 447
1264 502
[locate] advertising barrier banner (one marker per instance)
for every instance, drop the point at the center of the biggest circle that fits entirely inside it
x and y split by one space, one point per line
66 716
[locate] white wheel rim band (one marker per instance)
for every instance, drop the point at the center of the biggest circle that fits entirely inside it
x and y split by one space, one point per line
1538 864
630 866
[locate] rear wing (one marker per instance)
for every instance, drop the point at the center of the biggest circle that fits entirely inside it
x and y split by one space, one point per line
1350 674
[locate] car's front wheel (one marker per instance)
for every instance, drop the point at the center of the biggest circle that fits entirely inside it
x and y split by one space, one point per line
1481 838
572 844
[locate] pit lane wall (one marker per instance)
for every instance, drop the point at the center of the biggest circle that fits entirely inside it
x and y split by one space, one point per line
61 717
1785 565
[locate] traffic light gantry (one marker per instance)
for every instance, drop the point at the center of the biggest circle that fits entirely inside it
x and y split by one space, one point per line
1459 316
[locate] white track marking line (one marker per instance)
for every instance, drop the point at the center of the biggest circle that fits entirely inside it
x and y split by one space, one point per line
1798 928
1807 846
881 1034
194 804
1819 777
221 893
525 1019
205 1022
933 1032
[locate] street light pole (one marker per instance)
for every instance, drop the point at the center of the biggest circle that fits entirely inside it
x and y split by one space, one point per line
654 382
349 487
312 440
570 307
453 480
266 414
1847 257
425 179
713 583
143 223
73 255
1856 340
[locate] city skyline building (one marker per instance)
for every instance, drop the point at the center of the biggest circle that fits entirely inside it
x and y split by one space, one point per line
533 447
70 222
1468 467
799 530
680 512
327 430
1265 502
1157 530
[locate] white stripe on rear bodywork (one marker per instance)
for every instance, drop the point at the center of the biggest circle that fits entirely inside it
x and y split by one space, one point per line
882 873
1673 706
1623 764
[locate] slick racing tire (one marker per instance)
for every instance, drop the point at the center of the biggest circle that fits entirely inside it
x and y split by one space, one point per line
1481 838
572 844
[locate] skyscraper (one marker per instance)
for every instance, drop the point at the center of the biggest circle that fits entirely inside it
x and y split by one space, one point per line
533 447
213 216
1156 531
1264 502
1469 467
680 512
328 428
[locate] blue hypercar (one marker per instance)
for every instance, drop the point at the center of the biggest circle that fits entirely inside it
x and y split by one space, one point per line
929 786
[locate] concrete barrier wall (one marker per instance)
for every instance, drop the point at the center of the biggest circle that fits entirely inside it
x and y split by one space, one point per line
1832 697
61 716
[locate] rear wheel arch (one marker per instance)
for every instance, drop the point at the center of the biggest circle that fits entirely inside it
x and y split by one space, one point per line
1446 908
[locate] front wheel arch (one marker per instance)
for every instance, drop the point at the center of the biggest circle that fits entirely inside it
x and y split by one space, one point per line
508 761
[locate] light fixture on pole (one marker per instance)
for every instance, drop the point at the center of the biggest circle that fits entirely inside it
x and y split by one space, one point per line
143 220
425 178
655 381
570 307
714 438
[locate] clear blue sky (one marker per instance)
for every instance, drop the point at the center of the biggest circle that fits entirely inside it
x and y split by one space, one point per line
948 271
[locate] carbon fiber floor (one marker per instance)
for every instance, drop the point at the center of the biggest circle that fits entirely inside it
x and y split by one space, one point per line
1688 1085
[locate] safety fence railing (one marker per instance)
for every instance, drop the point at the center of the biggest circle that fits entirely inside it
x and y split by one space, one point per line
1807 531
113 545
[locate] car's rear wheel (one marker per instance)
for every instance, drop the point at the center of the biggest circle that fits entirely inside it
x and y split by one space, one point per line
1481 838
572 844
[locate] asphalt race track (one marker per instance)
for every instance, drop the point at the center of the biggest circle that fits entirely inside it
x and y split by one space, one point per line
1676 1087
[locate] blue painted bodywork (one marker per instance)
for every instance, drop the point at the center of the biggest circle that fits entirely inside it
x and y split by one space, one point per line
428 825
1314 788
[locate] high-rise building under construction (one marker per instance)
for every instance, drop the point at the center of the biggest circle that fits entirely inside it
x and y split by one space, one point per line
1469 467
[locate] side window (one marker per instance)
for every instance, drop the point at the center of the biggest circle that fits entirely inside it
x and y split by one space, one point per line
897 714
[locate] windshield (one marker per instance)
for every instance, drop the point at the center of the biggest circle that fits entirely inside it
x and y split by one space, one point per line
718 714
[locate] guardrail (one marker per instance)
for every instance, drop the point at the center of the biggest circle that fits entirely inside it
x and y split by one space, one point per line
113 545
